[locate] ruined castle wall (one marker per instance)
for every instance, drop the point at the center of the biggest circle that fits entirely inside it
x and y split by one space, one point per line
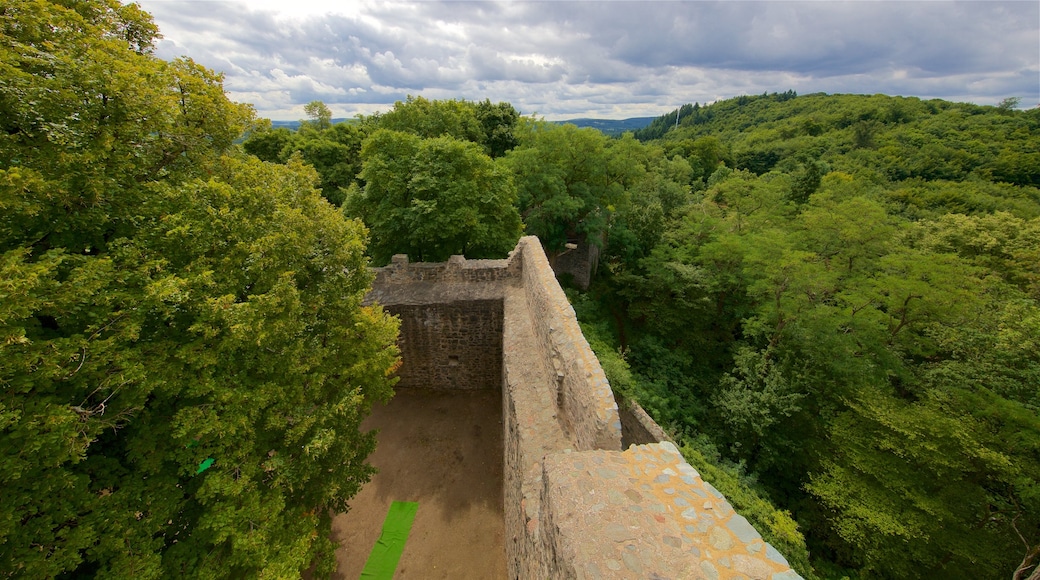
638 428
457 345
580 263
583 393
451 319
645 513
456 280
575 504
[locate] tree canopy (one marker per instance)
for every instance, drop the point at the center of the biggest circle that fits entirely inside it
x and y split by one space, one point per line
831 301
434 198
184 357
844 303
335 150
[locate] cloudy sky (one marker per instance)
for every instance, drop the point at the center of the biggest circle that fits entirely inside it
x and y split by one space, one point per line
604 59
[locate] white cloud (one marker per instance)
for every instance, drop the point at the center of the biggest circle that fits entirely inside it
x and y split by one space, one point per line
601 58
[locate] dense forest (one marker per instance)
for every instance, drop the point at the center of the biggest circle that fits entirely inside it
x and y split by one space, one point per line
843 316
832 302
184 358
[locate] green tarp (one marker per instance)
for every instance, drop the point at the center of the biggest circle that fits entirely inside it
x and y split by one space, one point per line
382 562
205 465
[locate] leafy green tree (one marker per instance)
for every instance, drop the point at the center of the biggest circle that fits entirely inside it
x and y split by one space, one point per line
655 190
273 145
863 134
565 184
499 121
437 118
492 126
1009 103
184 358
319 113
434 198
1007 245
937 487
859 331
336 164
807 181
335 152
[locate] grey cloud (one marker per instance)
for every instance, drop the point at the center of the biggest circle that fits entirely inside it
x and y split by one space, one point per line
491 65
557 58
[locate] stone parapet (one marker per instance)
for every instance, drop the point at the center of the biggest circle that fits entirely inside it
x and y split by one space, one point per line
582 391
645 513
456 270
576 505
637 427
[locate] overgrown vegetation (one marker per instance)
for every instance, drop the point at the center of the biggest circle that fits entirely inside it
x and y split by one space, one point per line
836 295
831 301
184 358
846 305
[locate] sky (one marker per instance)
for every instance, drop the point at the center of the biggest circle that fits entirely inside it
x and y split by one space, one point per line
601 59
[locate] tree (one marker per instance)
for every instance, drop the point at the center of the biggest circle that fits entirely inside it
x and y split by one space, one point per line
856 324
1009 103
273 145
320 115
433 198
807 181
493 126
499 122
184 358
437 118
335 152
940 487
564 182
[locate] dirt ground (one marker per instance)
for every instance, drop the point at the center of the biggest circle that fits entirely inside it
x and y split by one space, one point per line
443 450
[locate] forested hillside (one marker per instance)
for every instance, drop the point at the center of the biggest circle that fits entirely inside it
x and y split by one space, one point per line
830 300
184 358
846 309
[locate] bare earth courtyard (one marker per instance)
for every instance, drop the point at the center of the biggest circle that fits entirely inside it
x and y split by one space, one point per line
442 449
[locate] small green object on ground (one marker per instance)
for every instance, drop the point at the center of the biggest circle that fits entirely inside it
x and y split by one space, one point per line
205 465
382 562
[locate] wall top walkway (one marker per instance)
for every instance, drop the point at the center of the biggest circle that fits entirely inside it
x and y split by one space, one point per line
577 505
645 513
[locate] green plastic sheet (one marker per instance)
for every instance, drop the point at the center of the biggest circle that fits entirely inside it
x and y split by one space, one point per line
382 562
205 465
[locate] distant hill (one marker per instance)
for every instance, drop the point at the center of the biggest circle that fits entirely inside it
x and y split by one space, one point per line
294 125
607 126
895 139
611 126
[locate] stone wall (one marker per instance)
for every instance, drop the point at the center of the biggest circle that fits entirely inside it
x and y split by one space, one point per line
638 428
457 345
582 391
645 513
576 505
580 263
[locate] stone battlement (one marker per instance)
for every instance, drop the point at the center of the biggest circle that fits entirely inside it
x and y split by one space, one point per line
576 504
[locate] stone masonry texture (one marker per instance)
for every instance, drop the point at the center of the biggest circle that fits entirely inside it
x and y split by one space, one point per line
576 504
579 263
451 346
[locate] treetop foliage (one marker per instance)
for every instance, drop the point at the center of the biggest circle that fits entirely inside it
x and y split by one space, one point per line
844 301
833 295
184 358
433 198
832 302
